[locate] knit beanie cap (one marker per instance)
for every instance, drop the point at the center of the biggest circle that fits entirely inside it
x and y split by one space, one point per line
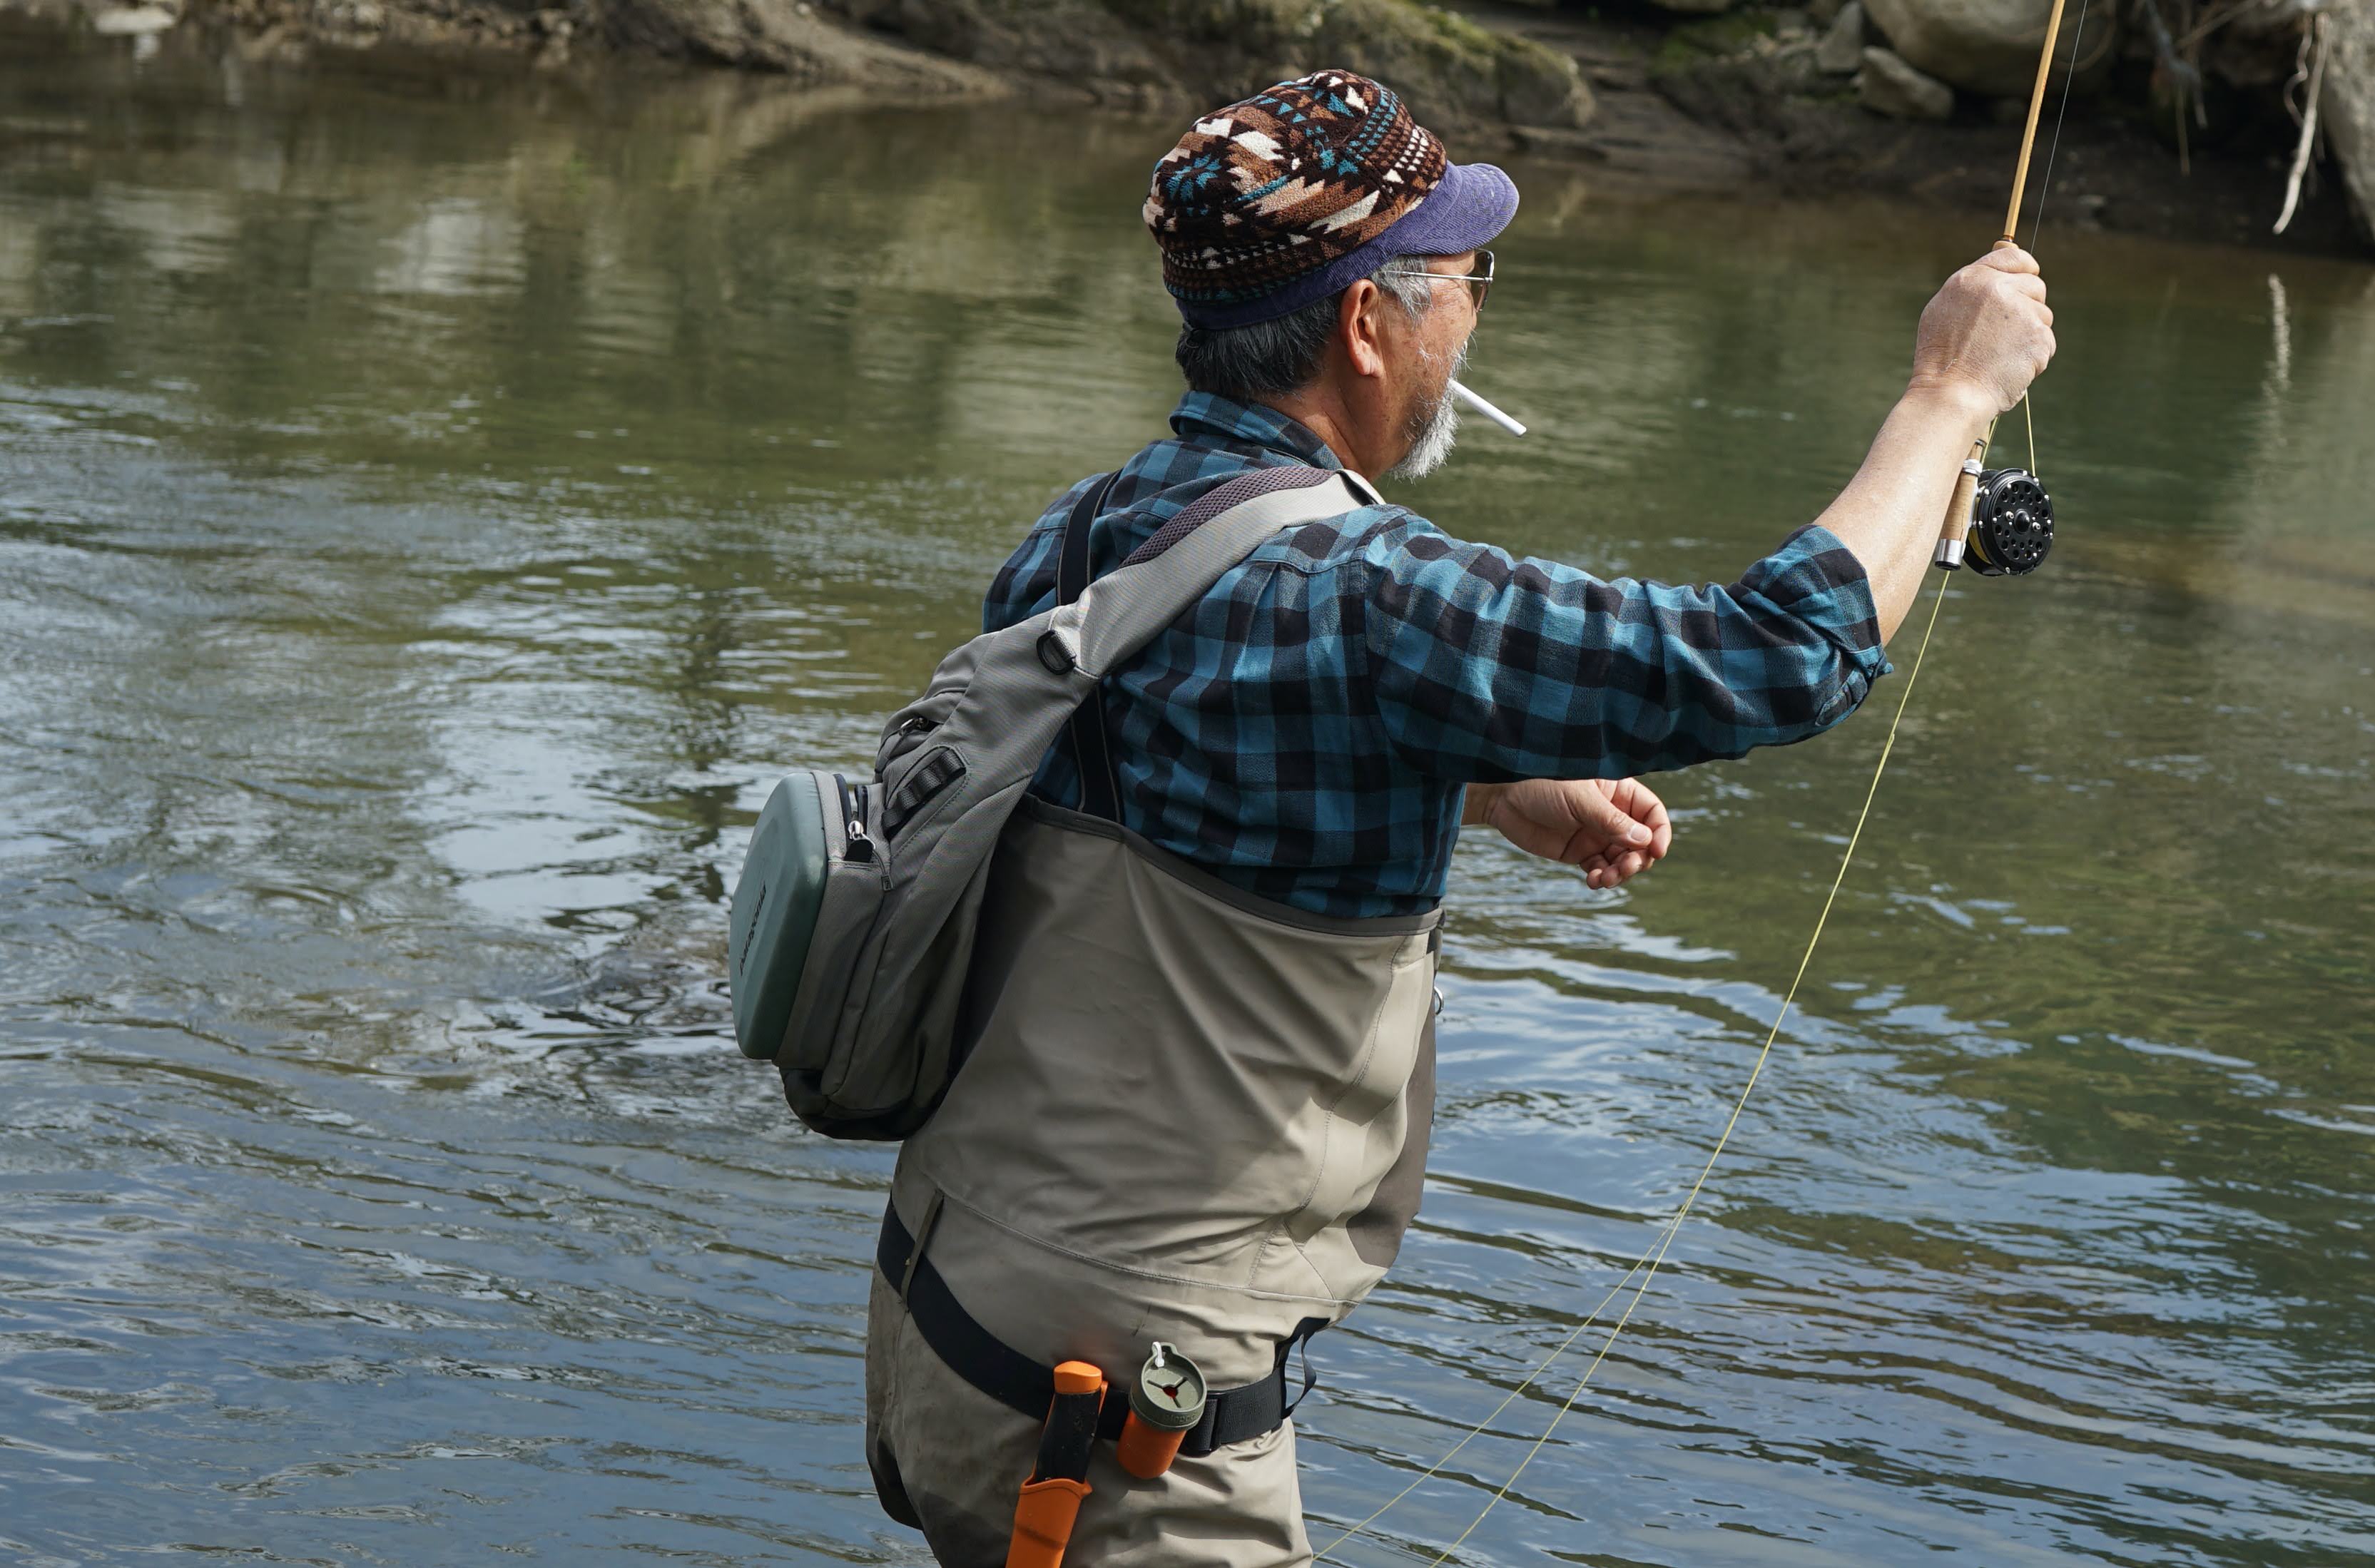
1300 190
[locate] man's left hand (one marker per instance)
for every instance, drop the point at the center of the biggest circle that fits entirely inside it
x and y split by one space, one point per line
1614 830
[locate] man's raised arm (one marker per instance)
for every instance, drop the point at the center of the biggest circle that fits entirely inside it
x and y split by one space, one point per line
1983 338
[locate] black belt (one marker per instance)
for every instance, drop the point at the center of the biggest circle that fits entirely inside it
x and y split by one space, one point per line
1021 1384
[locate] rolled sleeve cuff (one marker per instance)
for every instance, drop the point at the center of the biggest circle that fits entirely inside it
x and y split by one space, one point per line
1816 580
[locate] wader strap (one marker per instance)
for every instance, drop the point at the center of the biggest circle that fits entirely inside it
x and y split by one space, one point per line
923 1240
1240 1415
1092 753
1021 1384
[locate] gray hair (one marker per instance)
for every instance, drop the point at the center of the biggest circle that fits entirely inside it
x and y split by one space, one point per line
1270 359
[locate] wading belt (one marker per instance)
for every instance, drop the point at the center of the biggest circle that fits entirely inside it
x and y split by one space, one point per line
1023 1385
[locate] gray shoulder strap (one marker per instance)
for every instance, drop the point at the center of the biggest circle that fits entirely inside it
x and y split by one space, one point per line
1120 612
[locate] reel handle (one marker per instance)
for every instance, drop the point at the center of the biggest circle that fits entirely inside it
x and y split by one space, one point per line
1948 556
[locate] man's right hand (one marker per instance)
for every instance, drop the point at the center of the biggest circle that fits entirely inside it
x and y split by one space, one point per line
1611 829
1988 332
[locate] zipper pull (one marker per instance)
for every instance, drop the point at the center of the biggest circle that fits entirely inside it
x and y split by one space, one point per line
854 845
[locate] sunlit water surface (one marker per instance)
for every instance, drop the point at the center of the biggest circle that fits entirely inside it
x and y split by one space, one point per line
428 520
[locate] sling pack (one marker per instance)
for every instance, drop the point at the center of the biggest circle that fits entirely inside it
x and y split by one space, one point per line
854 921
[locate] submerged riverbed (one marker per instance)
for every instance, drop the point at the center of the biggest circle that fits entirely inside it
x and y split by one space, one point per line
429 518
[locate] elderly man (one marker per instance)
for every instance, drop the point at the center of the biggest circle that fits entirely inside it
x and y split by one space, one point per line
1191 1125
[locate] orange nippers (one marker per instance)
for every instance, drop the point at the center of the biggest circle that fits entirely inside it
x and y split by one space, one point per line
1166 1401
1146 1451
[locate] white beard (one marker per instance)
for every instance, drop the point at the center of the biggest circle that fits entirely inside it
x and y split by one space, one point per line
1436 439
1435 442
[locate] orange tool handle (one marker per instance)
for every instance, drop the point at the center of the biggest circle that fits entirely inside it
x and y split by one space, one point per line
1050 1501
1079 1377
1146 1450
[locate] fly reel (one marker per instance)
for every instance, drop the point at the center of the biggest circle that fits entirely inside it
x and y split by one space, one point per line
2011 524
2000 523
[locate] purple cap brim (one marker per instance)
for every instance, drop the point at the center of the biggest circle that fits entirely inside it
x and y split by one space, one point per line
1469 206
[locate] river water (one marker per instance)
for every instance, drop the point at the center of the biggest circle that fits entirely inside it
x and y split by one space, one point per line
431 512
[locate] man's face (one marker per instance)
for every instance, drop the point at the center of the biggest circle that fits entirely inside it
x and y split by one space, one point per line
1431 348
1448 329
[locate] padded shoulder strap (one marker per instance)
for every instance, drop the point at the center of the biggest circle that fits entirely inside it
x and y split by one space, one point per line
1122 611
1084 737
1072 562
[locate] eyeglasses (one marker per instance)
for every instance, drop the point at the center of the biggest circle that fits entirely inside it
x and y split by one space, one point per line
1480 282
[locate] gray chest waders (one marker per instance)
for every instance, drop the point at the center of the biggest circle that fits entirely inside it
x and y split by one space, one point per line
1183 1114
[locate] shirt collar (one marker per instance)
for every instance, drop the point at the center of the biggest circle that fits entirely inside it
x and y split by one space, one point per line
1208 414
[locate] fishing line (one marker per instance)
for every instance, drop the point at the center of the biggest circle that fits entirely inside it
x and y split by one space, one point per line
2045 188
1479 1428
2069 80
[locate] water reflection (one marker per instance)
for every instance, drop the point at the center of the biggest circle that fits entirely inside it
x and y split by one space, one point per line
431 512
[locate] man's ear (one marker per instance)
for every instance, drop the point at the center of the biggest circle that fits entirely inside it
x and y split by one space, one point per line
1356 329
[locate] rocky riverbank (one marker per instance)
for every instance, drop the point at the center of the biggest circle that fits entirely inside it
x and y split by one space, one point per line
2186 120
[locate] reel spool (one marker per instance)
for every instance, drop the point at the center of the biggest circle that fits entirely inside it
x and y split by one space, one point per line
2011 524
2000 521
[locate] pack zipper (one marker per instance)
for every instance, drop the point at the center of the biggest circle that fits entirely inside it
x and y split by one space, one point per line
856 845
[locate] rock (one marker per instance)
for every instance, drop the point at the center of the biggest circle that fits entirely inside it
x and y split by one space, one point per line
349 20
1454 72
1446 66
1888 86
1840 53
1823 12
1560 140
1544 90
132 21
2347 105
1694 8
1987 46
785 36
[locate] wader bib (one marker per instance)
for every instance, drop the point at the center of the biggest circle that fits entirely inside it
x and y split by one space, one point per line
1185 1113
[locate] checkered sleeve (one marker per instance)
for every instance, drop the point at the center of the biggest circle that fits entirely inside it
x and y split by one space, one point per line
1487 668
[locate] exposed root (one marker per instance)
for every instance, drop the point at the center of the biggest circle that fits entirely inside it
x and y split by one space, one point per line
2314 45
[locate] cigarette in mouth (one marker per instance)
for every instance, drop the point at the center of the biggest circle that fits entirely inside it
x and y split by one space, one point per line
1487 410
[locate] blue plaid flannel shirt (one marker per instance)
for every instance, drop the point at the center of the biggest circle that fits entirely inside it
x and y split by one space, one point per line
1306 731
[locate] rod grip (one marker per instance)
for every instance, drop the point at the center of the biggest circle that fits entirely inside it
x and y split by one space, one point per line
1951 533
1049 1503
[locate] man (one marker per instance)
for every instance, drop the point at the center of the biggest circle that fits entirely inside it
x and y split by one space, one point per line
1200 1067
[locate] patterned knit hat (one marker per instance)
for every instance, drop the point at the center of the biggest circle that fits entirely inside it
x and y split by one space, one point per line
1304 188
